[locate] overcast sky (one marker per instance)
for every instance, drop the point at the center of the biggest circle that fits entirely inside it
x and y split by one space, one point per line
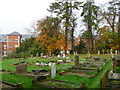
17 15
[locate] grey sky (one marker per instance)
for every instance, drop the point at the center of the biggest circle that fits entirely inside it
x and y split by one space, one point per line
16 15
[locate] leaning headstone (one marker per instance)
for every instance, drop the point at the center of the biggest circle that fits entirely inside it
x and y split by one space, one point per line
22 68
76 60
53 70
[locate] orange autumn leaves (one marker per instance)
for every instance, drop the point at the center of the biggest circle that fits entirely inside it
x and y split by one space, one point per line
51 36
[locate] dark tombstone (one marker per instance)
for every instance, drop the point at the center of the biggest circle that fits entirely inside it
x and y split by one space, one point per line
39 78
71 59
96 58
76 60
22 68
64 60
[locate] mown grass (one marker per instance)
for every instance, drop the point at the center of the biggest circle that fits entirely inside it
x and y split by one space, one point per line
14 79
90 82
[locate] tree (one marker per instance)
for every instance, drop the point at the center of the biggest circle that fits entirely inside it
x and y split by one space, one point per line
51 36
28 47
64 9
106 39
110 15
90 19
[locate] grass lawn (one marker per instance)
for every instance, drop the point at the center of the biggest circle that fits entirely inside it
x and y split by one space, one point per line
27 82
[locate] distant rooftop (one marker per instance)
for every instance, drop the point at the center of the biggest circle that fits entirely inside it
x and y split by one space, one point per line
14 33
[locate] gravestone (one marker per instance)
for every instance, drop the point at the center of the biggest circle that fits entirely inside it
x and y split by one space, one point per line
76 60
63 55
53 70
37 54
98 52
41 54
68 52
31 55
58 56
111 51
116 52
103 52
22 68
64 60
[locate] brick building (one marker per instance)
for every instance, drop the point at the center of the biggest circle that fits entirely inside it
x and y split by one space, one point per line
9 42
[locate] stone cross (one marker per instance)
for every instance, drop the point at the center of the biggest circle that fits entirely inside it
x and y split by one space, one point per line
53 70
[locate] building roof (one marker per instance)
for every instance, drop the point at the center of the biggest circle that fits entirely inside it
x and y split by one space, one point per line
14 34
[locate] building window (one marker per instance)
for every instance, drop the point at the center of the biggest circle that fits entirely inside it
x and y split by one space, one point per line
16 45
5 45
10 51
5 39
22 39
10 46
10 40
5 53
5 48
16 40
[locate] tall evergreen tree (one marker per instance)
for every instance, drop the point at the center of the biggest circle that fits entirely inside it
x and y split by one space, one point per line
90 14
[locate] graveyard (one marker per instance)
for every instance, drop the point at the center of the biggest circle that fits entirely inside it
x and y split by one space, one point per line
80 71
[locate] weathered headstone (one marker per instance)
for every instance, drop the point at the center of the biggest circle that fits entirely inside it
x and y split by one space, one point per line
98 52
53 70
116 52
63 55
31 55
41 54
64 60
68 52
22 68
76 60
58 56
111 51
37 54
103 52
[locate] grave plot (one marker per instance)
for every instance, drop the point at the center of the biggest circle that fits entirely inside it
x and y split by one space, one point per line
5 85
86 69
43 82
107 82
22 70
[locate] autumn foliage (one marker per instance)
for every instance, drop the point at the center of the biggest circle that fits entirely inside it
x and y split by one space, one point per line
51 36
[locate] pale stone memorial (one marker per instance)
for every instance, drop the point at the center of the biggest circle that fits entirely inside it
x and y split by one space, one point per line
53 70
